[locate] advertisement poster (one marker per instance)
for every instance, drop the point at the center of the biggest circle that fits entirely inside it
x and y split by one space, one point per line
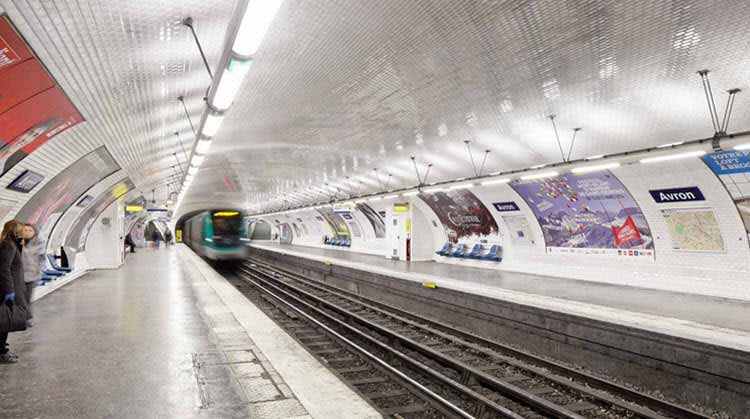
378 224
336 222
590 213
45 207
463 215
733 169
76 239
33 108
693 229
520 230
353 224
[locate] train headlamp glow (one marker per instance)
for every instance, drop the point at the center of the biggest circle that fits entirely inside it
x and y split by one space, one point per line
226 213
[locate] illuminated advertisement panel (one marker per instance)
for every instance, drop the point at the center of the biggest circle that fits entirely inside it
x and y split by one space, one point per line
463 215
76 239
589 213
33 108
47 205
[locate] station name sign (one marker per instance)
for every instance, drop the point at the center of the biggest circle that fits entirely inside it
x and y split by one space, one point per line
505 206
689 194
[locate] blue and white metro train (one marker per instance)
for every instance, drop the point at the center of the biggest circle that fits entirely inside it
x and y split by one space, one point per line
216 235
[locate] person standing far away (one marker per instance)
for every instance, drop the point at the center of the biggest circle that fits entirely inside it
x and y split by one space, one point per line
12 286
33 259
156 237
130 243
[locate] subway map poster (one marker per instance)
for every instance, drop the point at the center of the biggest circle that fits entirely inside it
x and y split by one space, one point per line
589 213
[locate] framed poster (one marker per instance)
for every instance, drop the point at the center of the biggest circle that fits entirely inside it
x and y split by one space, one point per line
25 182
693 229
33 107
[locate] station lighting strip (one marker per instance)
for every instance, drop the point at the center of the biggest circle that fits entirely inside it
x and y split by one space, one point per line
245 32
662 153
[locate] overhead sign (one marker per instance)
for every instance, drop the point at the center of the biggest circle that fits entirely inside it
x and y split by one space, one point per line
505 206
728 162
688 194
26 181
33 108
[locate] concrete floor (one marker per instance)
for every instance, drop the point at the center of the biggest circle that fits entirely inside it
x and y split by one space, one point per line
127 343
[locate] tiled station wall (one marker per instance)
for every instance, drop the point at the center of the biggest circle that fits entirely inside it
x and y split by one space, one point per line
723 273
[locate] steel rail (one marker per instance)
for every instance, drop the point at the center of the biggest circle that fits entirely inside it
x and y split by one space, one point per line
506 389
373 358
488 404
470 338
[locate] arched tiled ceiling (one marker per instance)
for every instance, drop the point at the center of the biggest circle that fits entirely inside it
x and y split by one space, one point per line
123 64
342 87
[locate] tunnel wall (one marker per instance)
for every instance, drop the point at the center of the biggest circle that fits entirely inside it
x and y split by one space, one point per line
722 272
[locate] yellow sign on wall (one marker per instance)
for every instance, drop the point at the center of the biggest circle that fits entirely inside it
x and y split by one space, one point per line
178 235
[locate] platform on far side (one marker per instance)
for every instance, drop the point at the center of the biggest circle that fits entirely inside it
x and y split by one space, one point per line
165 336
714 320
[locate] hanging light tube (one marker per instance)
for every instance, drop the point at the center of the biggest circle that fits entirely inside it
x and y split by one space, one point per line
677 156
495 181
212 124
541 175
203 146
411 193
255 22
745 146
461 186
229 83
197 160
595 168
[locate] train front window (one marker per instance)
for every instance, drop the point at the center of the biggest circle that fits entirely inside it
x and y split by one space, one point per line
227 226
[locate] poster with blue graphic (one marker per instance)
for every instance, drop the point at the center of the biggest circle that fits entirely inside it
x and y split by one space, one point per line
589 213
733 169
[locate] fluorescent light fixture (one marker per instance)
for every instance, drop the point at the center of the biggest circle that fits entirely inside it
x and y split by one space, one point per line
595 168
598 156
667 145
203 146
495 181
461 186
495 173
539 175
742 147
197 160
212 125
360 201
230 82
433 190
257 18
192 170
375 198
394 196
677 156
411 193
538 166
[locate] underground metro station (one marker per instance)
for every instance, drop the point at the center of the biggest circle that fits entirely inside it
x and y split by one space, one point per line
350 209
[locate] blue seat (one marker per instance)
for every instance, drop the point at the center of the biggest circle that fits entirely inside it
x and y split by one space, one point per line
336 242
49 272
493 254
476 252
55 266
445 250
346 242
460 251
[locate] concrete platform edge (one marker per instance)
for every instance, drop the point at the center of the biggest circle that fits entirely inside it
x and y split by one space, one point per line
680 328
318 389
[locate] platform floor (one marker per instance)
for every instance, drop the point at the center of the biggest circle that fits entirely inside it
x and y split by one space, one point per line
714 320
162 337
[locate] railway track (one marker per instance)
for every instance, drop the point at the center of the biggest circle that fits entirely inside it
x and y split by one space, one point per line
412 367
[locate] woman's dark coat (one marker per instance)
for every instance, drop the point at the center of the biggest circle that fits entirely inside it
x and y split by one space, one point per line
11 272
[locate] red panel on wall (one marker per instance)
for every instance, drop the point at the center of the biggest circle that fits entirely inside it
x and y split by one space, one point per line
33 108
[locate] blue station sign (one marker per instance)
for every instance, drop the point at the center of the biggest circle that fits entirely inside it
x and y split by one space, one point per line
688 194
505 206
728 162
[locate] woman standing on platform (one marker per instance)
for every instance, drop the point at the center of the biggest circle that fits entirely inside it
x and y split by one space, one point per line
12 286
33 259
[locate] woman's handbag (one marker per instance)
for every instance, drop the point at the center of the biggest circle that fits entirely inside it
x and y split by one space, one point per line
12 317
